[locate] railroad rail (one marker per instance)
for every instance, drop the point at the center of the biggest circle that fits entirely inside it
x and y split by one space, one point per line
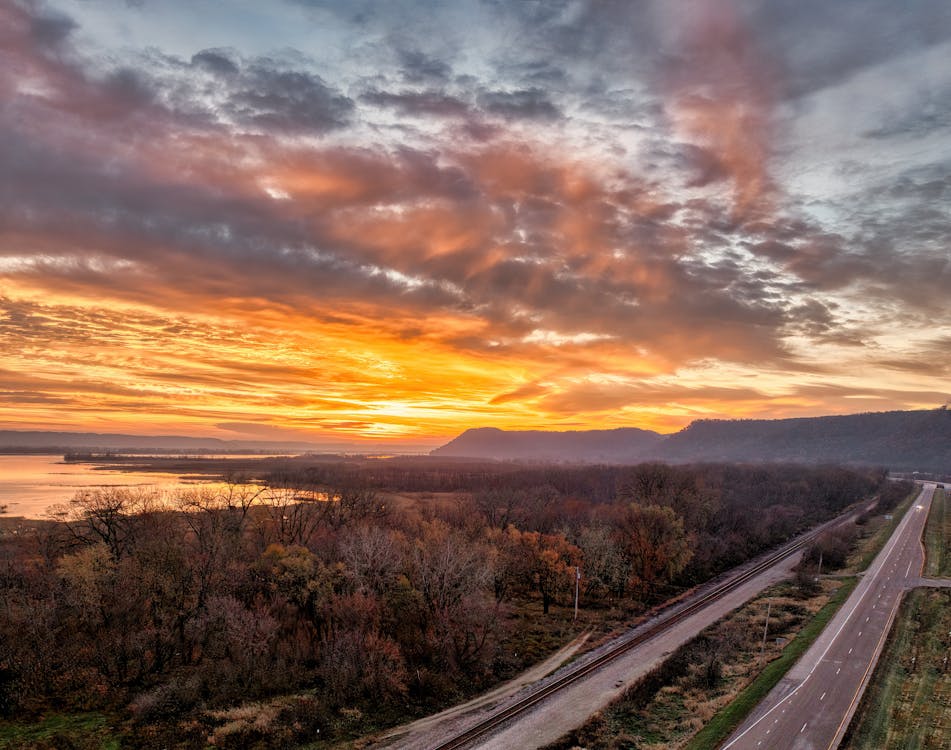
639 637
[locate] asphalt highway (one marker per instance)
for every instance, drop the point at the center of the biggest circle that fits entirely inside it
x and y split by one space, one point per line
811 707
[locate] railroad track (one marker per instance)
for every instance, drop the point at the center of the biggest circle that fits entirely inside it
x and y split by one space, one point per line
664 622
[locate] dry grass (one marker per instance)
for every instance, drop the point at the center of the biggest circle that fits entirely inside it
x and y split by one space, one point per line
240 720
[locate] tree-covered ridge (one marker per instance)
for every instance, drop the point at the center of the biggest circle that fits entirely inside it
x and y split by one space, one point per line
905 440
618 445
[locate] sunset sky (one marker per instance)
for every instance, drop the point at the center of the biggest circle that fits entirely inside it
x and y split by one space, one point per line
394 220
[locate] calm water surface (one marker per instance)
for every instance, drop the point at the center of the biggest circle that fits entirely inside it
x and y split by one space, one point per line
30 485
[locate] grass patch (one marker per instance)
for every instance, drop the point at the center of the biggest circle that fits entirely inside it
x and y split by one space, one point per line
87 731
879 531
906 704
720 726
938 537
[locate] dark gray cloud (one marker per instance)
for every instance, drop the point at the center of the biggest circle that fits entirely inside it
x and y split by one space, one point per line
50 29
261 93
129 91
537 73
608 34
704 166
419 103
270 96
811 44
524 104
418 67
221 62
933 189
929 114
823 44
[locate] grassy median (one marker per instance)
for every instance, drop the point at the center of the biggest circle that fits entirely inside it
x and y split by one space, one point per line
938 537
906 704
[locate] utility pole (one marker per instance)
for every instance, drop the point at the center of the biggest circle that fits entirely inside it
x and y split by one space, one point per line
769 604
577 582
819 571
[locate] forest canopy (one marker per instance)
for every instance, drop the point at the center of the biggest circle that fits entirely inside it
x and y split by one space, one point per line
333 589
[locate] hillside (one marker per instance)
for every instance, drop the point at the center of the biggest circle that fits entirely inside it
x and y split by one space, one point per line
903 440
623 445
898 439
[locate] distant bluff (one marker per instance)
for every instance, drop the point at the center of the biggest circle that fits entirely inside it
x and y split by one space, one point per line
622 445
901 440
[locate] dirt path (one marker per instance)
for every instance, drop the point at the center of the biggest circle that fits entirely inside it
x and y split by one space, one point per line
406 732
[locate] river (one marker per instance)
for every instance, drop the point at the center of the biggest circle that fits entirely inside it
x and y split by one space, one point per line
31 485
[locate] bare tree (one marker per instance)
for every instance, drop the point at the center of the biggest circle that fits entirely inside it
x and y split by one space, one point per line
107 515
374 556
290 516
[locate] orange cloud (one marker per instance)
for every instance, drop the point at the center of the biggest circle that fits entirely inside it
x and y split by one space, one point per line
172 264
720 95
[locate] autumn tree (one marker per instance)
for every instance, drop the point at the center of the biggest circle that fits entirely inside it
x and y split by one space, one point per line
361 664
605 567
292 517
312 588
215 534
510 566
550 560
691 492
654 545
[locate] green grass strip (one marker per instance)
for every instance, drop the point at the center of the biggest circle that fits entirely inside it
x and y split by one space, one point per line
88 730
907 701
938 537
730 716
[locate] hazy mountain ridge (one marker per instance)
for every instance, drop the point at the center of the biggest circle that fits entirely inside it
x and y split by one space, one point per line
612 446
898 439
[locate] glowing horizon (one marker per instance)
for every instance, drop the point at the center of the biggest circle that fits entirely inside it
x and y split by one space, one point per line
323 222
